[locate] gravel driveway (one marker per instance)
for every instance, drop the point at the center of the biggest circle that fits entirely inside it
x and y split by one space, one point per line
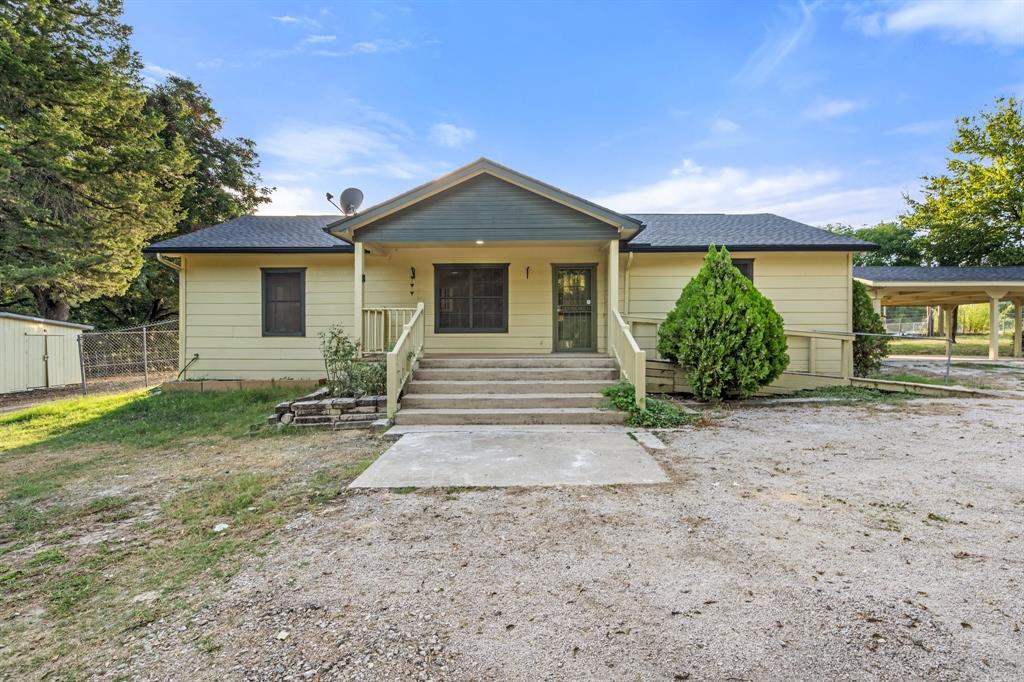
799 542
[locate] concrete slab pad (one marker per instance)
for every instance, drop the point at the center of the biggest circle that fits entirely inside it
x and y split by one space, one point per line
401 430
511 458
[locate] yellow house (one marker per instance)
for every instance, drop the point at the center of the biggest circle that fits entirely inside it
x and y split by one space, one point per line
487 269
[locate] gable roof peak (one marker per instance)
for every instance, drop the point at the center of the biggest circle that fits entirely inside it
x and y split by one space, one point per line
346 226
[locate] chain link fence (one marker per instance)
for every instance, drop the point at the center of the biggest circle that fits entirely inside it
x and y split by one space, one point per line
132 357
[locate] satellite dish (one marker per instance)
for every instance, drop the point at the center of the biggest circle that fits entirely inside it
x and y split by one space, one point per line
351 200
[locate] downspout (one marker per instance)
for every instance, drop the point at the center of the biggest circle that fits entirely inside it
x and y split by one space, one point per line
179 267
160 258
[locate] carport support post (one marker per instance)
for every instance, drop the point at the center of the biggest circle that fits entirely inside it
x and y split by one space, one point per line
1017 326
993 323
947 321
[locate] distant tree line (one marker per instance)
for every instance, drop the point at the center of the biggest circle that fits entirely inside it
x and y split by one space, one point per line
95 164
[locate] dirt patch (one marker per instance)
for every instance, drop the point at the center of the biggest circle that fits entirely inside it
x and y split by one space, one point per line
804 542
99 543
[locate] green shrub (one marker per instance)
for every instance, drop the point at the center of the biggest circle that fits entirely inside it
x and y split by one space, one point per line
658 414
868 351
347 373
724 333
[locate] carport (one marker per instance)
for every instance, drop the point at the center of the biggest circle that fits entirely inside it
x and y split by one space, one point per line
948 287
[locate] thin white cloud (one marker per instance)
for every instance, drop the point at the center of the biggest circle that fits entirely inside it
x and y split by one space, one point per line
451 135
317 39
724 126
815 196
922 127
779 42
304 160
291 19
296 201
333 147
154 73
831 108
999 22
369 47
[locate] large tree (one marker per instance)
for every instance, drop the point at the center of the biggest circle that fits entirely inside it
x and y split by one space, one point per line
974 214
224 183
900 244
85 178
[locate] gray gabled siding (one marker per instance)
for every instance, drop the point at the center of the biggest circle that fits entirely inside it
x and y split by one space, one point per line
486 208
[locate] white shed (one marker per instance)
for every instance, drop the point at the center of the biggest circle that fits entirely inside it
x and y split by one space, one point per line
38 353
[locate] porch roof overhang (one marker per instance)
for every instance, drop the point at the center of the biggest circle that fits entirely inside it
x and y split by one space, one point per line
917 286
345 228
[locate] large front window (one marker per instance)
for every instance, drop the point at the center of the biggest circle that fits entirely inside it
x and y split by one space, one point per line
471 298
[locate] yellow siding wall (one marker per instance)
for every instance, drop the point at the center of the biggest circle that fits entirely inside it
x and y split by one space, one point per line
222 301
388 281
222 315
21 355
810 290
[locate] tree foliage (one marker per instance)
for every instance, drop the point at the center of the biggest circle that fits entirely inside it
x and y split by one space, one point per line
900 243
974 214
868 351
724 333
85 178
224 183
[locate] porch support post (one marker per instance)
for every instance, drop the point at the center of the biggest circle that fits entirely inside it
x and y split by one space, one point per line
613 291
357 294
1018 327
993 323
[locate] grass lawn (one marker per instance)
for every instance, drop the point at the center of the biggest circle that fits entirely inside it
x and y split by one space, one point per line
966 344
108 506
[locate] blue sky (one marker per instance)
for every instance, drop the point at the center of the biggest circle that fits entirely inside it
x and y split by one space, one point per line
821 112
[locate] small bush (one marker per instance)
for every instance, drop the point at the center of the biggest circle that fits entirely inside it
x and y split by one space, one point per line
347 373
724 333
657 415
868 351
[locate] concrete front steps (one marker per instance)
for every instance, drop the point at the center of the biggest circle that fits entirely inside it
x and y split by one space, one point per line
512 389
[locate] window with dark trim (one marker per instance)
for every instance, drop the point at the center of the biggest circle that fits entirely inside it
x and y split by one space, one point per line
284 301
745 266
471 298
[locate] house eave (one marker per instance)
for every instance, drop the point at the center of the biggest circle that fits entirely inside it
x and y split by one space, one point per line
248 249
696 248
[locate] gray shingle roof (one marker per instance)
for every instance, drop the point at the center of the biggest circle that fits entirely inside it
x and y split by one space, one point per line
250 233
663 232
912 273
739 232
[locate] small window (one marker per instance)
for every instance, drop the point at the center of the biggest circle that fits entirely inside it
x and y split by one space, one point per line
745 266
471 298
284 302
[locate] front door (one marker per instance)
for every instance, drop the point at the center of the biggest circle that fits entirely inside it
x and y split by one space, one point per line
575 308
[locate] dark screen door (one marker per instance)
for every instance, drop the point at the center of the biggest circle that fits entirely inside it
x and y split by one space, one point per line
575 314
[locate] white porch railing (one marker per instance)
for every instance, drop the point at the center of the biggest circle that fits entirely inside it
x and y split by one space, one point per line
803 346
382 327
402 358
632 360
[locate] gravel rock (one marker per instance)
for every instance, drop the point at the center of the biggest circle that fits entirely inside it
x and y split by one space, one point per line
794 542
